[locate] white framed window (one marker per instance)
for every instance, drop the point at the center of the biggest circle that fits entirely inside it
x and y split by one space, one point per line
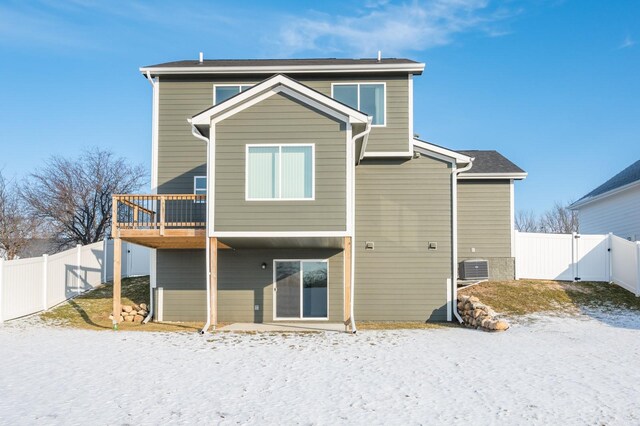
280 172
222 92
370 98
200 186
301 289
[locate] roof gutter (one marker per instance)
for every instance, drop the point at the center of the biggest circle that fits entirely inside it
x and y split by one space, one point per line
454 232
584 201
416 68
366 133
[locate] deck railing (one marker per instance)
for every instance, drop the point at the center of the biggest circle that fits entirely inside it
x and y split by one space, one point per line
159 212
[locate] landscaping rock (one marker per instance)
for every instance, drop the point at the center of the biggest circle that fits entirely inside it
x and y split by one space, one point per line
138 318
127 308
478 315
143 306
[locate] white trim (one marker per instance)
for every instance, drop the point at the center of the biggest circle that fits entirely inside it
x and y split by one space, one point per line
153 255
279 146
386 154
155 125
581 203
274 69
274 288
512 215
435 155
211 181
274 85
239 85
496 176
460 158
160 307
279 234
360 83
410 89
350 171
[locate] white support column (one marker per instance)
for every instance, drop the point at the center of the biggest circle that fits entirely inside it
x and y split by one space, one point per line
78 260
45 275
1 286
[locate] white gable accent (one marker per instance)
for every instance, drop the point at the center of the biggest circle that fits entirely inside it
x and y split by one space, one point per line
270 87
440 152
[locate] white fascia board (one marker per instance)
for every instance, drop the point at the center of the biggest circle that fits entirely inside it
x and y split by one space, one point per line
279 83
470 176
460 158
387 154
417 68
615 191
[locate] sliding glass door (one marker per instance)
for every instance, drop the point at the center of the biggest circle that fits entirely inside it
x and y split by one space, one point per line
301 289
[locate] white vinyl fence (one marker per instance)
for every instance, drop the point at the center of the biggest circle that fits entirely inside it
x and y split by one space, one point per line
575 257
38 283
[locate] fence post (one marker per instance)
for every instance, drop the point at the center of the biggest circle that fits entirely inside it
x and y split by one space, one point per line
638 269
610 256
45 275
515 254
1 286
78 260
105 246
574 255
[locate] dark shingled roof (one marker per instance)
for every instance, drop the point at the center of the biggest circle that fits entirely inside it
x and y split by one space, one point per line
490 162
280 62
629 175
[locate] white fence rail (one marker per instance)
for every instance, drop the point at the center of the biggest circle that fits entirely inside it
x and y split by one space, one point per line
572 257
38 283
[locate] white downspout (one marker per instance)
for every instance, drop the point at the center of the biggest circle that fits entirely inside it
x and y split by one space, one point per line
365 133
454 231
154 137
197 134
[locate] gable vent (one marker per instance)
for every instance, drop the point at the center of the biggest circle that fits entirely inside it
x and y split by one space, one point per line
476 269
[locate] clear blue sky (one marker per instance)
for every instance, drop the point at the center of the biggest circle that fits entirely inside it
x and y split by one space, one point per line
553 85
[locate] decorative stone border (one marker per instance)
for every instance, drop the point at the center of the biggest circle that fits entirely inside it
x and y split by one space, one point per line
478 315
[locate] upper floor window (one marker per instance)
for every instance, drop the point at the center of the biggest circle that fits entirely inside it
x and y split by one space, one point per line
366 97
200 185
280 172
225 91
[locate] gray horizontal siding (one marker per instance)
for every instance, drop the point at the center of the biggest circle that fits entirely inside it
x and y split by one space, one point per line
242 283
181 156
401 206
484 219
326 213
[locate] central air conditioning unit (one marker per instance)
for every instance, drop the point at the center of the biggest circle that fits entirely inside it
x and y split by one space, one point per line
475 269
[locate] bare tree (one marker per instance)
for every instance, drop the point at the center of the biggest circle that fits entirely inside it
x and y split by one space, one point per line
559 220
74 196
526 221
17 227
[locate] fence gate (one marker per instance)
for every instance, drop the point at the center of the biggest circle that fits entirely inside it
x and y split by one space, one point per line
565 257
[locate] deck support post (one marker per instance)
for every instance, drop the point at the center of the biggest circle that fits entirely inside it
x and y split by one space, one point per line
117 281
347 282
213 280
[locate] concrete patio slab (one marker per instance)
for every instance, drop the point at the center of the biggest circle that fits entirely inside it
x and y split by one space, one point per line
283 326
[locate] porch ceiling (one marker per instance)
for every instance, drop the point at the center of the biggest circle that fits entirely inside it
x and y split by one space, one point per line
283 242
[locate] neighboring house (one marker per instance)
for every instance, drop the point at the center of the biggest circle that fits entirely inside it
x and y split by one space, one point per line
613 207
320 205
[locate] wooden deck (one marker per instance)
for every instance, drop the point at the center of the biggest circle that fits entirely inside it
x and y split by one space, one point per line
165 221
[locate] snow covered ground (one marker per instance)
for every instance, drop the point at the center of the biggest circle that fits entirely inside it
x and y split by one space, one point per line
547 370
